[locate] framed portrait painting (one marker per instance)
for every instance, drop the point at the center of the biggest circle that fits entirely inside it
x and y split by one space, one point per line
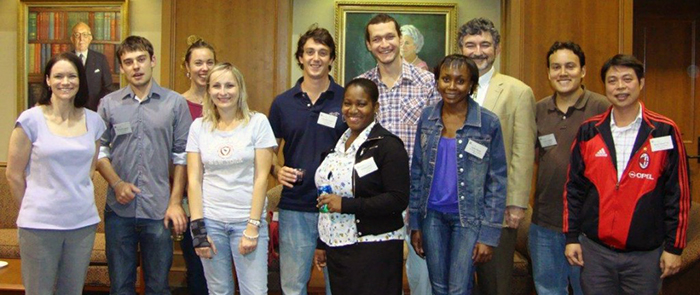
45 29
434 23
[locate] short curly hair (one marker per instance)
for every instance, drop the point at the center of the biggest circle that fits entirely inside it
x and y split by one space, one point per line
476 27
320 36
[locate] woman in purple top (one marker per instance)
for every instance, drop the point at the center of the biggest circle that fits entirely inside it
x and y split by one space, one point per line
52 154
458 180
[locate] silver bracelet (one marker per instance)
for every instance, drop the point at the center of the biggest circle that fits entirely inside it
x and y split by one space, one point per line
252 238
117 183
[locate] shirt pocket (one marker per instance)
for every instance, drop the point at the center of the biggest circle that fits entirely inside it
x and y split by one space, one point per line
477 168
411 108
484 141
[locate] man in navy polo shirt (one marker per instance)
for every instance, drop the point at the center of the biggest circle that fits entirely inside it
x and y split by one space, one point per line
307 118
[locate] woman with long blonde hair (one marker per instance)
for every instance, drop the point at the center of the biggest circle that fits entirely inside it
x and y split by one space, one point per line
229 155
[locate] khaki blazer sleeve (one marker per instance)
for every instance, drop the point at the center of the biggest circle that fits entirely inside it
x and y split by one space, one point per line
514 104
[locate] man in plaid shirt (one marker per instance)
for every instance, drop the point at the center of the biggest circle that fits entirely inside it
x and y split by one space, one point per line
404 90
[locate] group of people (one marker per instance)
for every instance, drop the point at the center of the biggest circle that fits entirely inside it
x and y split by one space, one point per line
439 161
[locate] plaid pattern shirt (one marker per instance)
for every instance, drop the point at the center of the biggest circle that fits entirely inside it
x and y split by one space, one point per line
400 107
624 138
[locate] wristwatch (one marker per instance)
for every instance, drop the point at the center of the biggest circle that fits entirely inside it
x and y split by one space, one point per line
255 222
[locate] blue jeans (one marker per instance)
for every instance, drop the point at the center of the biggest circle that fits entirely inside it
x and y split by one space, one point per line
196 283
550 269
298 236
251 269
123 238
448 247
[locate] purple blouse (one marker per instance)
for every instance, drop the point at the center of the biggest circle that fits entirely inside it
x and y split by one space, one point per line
59 193
443 191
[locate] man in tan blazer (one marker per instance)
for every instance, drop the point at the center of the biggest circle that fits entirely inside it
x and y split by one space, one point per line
514 104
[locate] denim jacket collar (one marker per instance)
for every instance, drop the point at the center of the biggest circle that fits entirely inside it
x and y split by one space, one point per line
473 114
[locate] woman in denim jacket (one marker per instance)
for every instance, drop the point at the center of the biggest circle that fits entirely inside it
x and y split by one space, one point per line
458 180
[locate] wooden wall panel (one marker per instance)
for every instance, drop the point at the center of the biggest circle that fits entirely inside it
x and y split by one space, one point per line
252 35
602 28
667 41
675 100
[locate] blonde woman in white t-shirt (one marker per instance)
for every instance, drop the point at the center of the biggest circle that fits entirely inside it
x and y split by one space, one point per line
229 154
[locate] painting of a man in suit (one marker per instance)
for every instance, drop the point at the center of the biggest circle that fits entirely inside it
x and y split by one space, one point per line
99 77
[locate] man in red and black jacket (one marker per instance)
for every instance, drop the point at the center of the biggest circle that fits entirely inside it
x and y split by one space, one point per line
627 197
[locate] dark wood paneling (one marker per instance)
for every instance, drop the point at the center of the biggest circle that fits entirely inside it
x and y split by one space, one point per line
602 28
667 40
665 47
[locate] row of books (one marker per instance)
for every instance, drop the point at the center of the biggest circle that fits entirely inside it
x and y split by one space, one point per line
39 54
59 25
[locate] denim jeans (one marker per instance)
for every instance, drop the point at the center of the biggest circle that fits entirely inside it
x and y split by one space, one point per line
448 247
251 269
196 283
298 236
123 238
55 261
551 271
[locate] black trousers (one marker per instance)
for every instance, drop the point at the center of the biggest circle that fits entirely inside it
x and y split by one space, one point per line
607 272
366 268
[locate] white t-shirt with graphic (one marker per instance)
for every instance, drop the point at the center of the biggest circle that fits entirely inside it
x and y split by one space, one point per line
228 159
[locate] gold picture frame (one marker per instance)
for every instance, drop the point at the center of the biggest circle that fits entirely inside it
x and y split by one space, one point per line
44 30
436 21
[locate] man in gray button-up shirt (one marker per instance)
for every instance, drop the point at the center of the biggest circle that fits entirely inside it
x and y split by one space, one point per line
147 128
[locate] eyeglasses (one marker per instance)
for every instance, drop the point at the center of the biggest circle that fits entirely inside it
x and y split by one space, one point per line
84 35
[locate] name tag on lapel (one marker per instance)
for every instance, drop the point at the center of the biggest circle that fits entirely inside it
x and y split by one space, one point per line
661 143
476 149
547 140
122 128
327 120
366 167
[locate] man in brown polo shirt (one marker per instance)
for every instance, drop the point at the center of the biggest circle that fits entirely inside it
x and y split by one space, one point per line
558 119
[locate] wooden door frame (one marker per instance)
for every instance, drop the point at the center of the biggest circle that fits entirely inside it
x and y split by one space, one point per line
283 33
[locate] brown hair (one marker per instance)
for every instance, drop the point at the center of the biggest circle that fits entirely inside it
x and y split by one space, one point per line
321 36
381 19
195 42
134 43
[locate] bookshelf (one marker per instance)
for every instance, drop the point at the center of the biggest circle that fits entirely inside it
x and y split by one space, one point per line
45 30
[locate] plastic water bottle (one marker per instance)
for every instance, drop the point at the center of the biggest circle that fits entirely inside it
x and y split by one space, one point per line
324 190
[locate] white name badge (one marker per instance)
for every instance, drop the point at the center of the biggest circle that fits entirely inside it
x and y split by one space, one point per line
661 143
366 167
327 120
476 149
122 128
548 140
